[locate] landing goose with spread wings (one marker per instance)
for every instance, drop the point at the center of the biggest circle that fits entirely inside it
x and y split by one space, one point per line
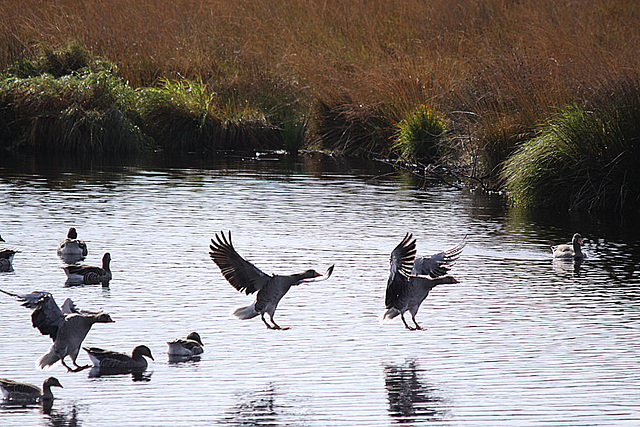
244 276
67 327
411 279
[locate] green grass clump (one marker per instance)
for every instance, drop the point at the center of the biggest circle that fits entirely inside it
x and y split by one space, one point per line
582 159
85 113
186 116
419 133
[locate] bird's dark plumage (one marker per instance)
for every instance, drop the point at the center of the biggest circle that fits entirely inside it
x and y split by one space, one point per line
411 280
244 276
67 327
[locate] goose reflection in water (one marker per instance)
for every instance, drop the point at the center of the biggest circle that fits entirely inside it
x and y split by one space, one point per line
259 408
568 267
411 400
58 418
136 374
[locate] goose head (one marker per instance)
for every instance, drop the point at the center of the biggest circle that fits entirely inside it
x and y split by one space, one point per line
310 274
104 318
106 259
1 239
194 336
576 242
141 350
51 382
72 234
446 280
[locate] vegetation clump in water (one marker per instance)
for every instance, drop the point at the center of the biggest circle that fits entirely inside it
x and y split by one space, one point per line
584 159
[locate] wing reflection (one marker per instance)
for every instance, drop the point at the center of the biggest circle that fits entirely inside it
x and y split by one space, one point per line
410 399
259 408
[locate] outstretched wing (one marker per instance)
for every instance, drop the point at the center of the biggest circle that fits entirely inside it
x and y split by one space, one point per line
402 258
242 275
46 316
438 265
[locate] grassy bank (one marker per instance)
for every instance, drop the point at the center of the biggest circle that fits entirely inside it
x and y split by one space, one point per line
342 75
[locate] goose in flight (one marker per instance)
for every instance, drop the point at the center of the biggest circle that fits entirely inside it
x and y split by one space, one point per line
244 276
572 251
72 250
89 275
191 346
67 327
14 391
106 359
411 279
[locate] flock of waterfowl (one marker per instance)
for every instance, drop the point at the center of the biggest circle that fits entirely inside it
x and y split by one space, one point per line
410 280
68 326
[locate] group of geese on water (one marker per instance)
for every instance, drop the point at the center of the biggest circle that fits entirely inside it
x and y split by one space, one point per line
68 326
410 280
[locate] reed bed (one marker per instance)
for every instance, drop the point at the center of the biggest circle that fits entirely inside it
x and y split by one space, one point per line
342 75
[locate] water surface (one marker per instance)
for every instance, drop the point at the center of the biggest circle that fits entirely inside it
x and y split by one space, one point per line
521 340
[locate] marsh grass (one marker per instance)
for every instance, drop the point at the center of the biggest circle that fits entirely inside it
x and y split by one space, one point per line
497 69
85 112
186 116
419 134
583 158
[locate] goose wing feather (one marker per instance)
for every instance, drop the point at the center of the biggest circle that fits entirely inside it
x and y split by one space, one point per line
15 387
46 316
242 275
438 264
402 258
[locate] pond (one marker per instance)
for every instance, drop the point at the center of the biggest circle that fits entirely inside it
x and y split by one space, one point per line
520 340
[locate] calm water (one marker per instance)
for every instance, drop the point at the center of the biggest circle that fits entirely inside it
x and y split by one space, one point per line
521 340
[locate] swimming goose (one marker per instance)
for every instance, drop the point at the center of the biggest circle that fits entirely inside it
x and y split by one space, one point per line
244 276
106 359
574 250
14 391
192 346
411 279
72 250
6 259
67 327
88 275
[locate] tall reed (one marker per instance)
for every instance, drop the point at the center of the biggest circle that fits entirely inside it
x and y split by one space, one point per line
583 158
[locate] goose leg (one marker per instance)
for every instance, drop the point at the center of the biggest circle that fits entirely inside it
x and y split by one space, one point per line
276 326
77 369
80 368
65 365
265 321
418 327
405 322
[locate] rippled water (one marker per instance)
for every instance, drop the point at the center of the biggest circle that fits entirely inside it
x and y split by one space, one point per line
521 340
